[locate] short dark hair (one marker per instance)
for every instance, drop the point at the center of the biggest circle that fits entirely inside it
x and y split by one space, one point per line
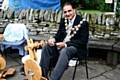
69 3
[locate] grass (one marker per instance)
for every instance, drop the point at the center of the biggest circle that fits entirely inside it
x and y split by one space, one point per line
91 11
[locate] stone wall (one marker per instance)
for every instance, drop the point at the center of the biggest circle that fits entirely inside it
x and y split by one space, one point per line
39 22
46 22
103 26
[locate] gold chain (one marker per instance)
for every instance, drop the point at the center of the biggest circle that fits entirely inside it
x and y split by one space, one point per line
75 28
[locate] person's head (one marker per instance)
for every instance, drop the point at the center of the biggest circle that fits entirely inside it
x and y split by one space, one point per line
69 10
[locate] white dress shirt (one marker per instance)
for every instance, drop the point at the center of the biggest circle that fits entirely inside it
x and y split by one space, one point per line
67 38
15 32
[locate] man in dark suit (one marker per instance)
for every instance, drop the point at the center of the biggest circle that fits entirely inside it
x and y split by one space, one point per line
70 40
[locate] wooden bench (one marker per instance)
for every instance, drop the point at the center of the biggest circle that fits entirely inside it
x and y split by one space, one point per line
110 45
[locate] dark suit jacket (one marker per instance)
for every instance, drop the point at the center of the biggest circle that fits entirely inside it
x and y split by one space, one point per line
79 40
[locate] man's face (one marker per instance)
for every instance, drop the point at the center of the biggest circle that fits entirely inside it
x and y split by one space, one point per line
69 12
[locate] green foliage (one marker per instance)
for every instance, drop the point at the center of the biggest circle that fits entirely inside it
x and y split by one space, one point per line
118 9
91 4
96 5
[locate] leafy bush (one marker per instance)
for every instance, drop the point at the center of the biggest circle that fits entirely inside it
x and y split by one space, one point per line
118 9
96 5
92 4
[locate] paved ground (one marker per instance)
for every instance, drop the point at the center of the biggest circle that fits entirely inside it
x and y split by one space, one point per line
98 70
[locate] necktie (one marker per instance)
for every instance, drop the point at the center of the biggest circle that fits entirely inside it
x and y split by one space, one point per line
70 23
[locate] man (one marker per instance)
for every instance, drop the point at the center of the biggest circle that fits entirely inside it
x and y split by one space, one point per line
70 40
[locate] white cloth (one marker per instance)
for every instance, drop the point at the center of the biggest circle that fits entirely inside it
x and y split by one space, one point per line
72 63
15 32
38 55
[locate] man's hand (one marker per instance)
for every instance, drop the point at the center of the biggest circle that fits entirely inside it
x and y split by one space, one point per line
51 42
60 44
